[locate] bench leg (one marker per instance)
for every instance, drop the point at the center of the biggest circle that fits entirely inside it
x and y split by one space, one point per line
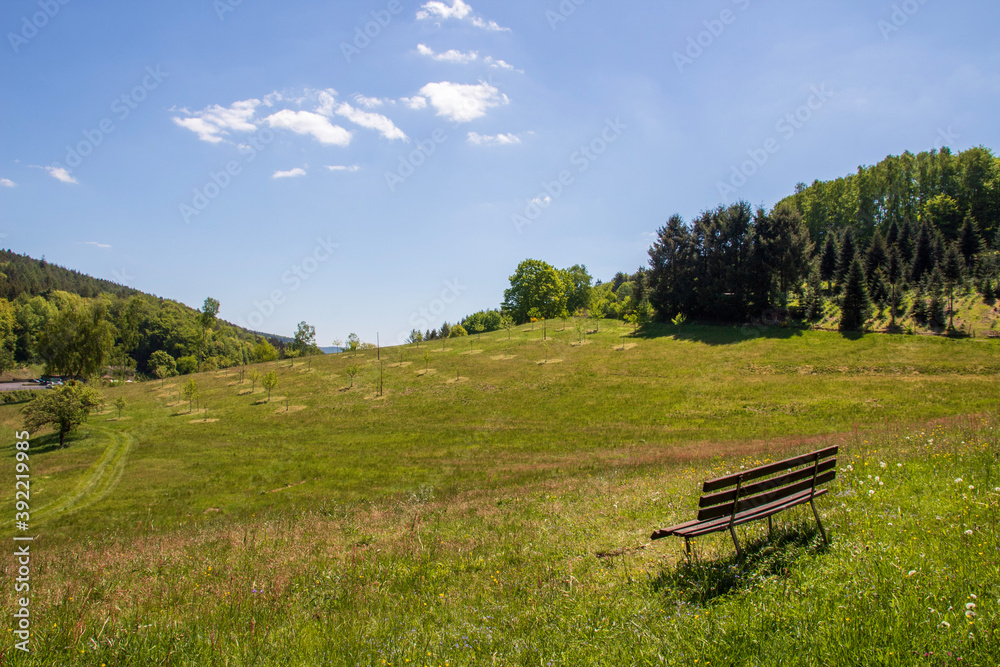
818 522
732 531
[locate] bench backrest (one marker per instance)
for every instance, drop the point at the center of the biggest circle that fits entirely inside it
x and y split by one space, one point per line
777 480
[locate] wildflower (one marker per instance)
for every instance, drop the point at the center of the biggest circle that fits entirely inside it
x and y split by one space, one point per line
971 487
970 605
973 596
958 480
881 464
911 573
871 492
968 532
899 465
997 489
970 614
945 624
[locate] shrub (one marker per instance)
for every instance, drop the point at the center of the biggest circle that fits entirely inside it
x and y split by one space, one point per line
187 365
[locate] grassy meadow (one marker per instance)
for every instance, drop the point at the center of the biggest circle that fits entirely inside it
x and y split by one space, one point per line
493 504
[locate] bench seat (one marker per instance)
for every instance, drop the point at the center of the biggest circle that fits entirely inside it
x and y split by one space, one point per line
737 499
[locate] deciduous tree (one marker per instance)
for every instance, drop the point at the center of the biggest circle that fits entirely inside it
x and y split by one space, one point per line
269 382
65 408
535 284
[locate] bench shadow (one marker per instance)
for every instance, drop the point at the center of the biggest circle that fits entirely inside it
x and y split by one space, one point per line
700 581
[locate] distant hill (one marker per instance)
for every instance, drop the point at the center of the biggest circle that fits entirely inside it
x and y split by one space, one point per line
21 274
50 302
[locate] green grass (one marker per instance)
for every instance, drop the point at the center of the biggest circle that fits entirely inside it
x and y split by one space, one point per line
504 517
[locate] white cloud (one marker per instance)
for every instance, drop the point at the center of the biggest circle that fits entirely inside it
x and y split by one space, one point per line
291 173
450 56
461 102
372 121
458 9
508 139
95 243
7 183
60 174
496 63
341 167
212 123
327 101
542 201
367 102
415 102
306 122
439 10
492 26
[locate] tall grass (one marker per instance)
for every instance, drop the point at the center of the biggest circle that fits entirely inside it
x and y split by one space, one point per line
503 517
559 572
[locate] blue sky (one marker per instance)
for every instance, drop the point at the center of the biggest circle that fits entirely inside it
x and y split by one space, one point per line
374 166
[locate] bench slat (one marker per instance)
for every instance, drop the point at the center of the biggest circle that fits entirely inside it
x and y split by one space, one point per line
722 523
762 471
766 485
726 509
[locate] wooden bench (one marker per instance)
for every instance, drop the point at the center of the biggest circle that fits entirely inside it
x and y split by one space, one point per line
733 500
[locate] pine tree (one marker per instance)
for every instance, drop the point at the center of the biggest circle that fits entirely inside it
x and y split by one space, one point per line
856 303
918 309
814 301
892 234
894 273
936 315
876 257
969 241
828 259
905 242
923 255
878 288
848 253
952 274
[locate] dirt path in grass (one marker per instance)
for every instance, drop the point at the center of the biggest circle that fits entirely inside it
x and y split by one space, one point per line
98 481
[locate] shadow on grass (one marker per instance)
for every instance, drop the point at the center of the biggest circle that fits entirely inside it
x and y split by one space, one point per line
699 582
49 443
716 334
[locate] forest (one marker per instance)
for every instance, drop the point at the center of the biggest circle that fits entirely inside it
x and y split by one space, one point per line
915 226
81 326
902 238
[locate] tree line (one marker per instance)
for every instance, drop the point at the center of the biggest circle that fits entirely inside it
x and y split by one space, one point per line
124 332
912 229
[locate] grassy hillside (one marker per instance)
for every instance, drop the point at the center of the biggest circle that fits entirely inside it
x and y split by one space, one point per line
494 503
